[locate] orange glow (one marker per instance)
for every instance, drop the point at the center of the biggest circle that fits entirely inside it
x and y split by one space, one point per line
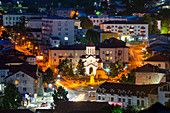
16 82
36 47
72 14
77 13
18 33
39 57
2 27
23 38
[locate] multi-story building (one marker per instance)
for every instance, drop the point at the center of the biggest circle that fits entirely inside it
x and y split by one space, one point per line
11 19
24 76
58 27
149 74
127 30
109 51
99 19
130 94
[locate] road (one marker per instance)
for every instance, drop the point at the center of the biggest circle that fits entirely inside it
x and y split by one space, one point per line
135 56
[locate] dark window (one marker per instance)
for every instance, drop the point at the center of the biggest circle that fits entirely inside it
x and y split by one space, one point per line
24 89
59 60
159 65
103 98
112 99
54 60
138 102
142 103
17 75
24 82
23 75
123 99
129 101
103 52
70 60
54 54
66 43
99 97
119 100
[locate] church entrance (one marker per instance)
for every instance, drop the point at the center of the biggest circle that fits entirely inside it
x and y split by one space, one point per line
90 70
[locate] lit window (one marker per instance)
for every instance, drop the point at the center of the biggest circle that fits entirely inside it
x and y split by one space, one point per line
76 54
107 58
65 54
65 38
107 52
60 54
110 52
110 58
16 82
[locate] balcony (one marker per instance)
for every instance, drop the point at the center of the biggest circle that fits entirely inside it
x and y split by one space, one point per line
120 27
107 54
142 27
131 27
142 31
120 31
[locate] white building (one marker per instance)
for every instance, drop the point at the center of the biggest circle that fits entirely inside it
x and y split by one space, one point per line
25 78
99 19
11 19
150 74
109 51
164 93
58 27
127 30
128 94
54 41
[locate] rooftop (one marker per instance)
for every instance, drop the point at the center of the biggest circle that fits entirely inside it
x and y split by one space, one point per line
116 87
58 17
6 43
124 22
160 57
150 68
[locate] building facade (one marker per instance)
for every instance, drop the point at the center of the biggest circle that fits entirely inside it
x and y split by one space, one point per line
127 30
109 51
128 94
150 74
99 19
58 27
11 19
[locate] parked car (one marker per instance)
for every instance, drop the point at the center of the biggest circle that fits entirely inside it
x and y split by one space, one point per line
44 104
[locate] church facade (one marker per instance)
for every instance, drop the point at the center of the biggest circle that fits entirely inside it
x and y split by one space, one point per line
94 57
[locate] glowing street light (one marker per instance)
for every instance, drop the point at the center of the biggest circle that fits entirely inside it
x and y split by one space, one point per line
23 38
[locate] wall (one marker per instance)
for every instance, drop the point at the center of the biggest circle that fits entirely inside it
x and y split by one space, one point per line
148 78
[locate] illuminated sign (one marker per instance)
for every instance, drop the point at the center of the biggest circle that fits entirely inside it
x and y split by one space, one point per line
114 103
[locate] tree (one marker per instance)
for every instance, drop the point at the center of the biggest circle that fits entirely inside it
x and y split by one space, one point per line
48 77
59 95
115 68
130 79
86 23
155 30
80 68
167 103
66 68
91 35
12 98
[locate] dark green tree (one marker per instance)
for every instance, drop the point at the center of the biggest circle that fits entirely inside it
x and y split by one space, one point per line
48 77
66 68
60 95
155 30
91 35
115 68
12 98
80 68
86 23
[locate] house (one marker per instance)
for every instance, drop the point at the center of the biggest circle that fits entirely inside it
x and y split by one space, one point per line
128 94
150 74
129 30
54 41
63 12
35 22
58 27
24 76
162 60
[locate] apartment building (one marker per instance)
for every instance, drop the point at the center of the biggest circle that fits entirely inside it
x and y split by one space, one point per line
130 94
99 19
35 22
127 30
109 51
58 27
11 19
